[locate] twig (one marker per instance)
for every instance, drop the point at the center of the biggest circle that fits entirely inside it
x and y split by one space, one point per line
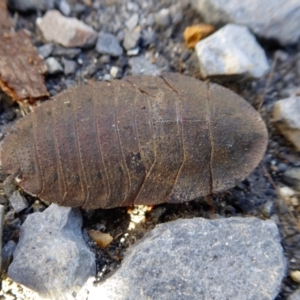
261 99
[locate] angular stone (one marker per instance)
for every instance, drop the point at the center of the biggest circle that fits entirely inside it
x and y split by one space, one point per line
69 66
51 257
271 19
45 50
131 39
68 32
132 22
18 202
142 66
108 44
234 258
286 116
231 51
53 66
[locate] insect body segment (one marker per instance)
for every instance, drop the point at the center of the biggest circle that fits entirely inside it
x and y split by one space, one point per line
141 140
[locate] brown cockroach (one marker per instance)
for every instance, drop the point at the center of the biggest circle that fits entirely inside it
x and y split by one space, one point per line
141 140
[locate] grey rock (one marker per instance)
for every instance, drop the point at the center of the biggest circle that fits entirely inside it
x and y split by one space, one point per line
295 295
7 253
163 18
18 202
133 52
131 39
108 44
286 116
292 178
132 22
68 32
271 19
147 37
69 66
31 5
66 52
64 7
45 50
53 66
51 257
231 51
235 258
140 65
9 186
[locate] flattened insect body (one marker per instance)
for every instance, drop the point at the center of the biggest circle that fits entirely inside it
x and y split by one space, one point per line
141 140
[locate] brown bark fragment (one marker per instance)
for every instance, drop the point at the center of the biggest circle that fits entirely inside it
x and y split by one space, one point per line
5 21
21 67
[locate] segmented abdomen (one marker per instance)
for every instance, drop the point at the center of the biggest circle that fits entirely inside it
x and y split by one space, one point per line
142 140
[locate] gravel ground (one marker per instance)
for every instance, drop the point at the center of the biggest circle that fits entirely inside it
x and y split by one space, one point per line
164 46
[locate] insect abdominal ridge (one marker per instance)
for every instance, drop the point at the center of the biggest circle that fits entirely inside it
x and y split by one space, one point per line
141 140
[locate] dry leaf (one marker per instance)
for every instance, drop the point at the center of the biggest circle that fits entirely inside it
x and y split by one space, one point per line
21 67
193 34
102 239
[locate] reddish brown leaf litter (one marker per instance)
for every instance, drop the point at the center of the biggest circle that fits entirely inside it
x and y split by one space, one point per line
5 22
143 140
21 67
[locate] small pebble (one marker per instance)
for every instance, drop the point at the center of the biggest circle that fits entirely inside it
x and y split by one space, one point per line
114 71
131 39
54 67
64 7
162 18
108 44
106 77
69 66
295 275
18 202
132 22
102 239
133 52
45 50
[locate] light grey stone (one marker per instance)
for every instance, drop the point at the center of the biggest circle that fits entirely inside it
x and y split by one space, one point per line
132 22
231 51
234 258
69 66
286 116
51 257
18 202
133 52
68 32
114 72
163 18
271 19
53 66
108 44
64 7
140 65
45 50
292 178
31 5
131 39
